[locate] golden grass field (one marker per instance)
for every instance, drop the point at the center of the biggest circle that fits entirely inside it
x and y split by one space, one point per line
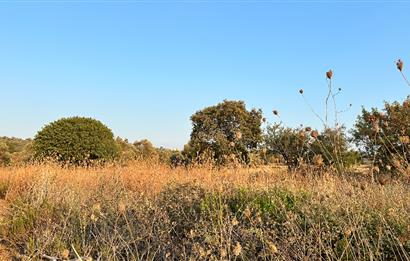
148 211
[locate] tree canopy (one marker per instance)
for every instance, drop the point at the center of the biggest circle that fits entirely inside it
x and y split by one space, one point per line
75 140
225 131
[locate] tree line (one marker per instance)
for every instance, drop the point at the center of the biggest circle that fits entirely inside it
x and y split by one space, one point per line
229 133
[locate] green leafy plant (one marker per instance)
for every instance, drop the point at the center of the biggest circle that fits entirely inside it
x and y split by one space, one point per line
306 146
227 131
75 140
383 136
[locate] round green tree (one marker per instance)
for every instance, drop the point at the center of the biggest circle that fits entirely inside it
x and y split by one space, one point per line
75 140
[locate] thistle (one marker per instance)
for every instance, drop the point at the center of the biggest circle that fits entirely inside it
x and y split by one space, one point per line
399 65
314 134
329 74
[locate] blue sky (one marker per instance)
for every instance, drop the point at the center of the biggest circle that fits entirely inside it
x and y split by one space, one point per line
143 67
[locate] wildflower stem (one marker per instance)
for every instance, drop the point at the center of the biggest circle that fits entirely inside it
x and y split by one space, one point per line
312 110
327 101
405 78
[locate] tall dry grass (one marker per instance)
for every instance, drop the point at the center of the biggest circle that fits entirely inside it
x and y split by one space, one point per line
147 211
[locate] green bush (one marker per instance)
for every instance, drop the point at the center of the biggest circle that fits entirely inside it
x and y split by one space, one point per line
75 140
384 136
5 156
305 146
14 151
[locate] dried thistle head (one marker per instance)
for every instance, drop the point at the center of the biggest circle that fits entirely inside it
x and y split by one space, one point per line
275 112
318 160
93 218
307 129
404 139
237 250
65 254
399 65
301 91
272 248
234 222
97 208
238 135
314 134
329 74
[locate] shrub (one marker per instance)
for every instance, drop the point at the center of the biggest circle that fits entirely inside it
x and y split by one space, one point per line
290 144
75 140
305 146
14 151
5 156
383 136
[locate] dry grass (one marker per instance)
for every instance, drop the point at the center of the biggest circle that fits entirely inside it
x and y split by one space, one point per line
146 211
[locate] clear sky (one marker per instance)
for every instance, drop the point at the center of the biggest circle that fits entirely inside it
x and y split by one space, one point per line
143 67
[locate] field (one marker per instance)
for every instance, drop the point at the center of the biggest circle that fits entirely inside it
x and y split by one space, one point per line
149 211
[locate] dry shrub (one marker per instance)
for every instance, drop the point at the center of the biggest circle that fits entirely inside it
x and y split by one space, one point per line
146 211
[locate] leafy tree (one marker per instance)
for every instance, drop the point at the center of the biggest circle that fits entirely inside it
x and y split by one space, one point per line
383 136
333 147
75 140
225 131
306 146
290 144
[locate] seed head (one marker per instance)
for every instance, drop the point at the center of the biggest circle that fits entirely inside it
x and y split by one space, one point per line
314 134
93 218
272 247
307 129
275 112
238 135
404 139
329 74
235 222
399 65
65 254
318 160
301 91
237 250
97 208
